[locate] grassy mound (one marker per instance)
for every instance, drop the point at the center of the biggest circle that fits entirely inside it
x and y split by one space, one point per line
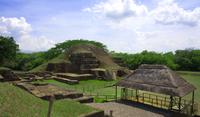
15 102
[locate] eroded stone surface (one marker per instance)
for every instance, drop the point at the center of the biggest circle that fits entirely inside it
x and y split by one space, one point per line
45 91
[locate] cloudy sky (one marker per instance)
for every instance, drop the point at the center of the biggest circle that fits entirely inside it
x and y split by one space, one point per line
123 25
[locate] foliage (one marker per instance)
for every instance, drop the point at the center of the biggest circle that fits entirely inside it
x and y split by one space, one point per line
61 47
8 50
26 61
188 59
180 60
145 57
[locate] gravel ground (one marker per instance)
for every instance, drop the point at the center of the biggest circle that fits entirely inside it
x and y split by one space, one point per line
127 109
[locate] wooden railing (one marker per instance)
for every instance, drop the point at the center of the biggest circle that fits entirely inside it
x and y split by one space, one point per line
160 101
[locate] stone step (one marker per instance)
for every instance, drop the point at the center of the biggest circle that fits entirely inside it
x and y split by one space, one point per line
85 62
73 76
89 66
65 80
84 99
81 55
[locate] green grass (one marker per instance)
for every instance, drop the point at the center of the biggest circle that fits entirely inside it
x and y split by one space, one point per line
15 102
88 86
193 78
59 59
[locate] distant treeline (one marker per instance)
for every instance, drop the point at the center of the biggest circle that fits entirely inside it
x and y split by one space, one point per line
188 59
11 57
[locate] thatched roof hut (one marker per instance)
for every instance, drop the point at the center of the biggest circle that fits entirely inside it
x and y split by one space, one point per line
158 79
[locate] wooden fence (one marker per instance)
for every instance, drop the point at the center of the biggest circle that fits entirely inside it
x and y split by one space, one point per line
160 101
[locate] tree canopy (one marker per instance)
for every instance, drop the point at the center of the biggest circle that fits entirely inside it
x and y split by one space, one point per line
187 59
61 47
8 49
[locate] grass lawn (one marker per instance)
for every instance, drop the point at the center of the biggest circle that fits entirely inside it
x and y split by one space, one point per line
88 86
193 78
15 102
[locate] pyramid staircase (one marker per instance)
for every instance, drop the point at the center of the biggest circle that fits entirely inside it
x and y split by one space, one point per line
85 61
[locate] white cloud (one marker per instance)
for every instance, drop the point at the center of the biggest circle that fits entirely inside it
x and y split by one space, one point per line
168 12
118 9
166 27
21 31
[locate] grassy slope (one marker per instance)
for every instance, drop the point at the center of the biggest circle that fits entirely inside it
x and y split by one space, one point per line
59 59
15 102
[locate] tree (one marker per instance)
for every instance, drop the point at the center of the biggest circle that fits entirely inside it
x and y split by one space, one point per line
8 49
64 46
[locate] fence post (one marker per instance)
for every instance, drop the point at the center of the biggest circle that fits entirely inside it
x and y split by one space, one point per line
179 104
192 108
143 97
116 92
51 100
171 102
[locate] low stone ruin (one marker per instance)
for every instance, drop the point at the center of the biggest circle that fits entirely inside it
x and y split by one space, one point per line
45 91
33 76
65 80
8 75
104 74
72 76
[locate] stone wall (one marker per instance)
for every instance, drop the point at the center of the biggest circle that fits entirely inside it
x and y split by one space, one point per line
84 61
8 75
62 67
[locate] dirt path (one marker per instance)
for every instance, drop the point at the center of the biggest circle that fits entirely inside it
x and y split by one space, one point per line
122 109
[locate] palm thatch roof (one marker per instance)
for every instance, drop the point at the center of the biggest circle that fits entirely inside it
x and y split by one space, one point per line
158 79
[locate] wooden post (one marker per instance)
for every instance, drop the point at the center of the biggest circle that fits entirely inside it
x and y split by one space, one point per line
136 95
125 93
115 92
131 94
157 100
143 97
179 104
165 101
50 106
171 102
192 108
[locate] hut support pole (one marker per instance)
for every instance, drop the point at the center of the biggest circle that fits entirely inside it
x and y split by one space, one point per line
192 108
179 104
115 92
136 95
171 102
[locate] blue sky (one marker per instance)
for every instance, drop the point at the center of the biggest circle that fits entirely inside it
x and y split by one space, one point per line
123 25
